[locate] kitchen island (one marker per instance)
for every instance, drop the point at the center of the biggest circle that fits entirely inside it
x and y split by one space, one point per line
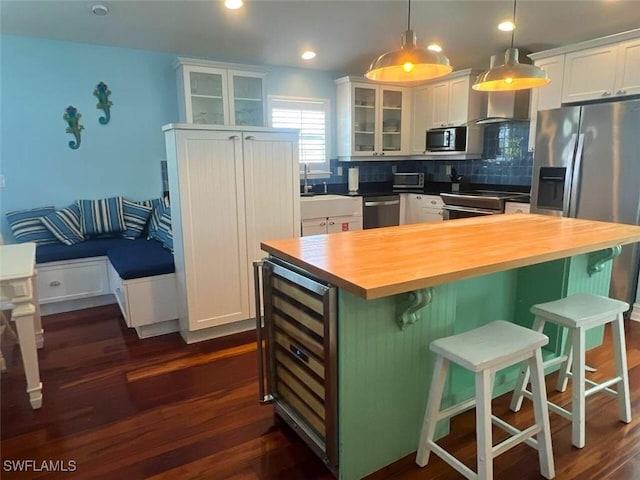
399 288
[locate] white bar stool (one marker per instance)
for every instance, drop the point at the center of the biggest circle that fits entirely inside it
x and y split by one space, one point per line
484 351
578 313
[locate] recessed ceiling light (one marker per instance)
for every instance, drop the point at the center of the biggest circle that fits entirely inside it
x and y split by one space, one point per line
100 9
233 4
308 55
507 26
434 47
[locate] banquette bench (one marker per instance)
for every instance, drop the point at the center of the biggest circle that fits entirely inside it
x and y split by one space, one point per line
139 273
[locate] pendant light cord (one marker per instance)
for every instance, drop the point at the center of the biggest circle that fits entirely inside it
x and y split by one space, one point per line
409 17
514 22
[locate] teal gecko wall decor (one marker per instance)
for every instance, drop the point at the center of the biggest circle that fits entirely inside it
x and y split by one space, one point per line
72 117
102 93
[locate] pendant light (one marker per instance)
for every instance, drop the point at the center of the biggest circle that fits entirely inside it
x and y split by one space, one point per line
512 75
408 63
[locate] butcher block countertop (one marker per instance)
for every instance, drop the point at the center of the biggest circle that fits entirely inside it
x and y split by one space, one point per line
387 261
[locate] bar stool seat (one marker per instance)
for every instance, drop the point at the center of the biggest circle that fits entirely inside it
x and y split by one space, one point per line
578 313
485 350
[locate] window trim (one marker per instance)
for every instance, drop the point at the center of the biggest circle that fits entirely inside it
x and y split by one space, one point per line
317 170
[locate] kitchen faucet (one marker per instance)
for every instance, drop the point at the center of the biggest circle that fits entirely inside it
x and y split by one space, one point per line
306 188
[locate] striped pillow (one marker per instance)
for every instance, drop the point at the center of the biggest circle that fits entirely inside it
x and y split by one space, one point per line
135 218
27 227
163 233
158 205
65 225
101 216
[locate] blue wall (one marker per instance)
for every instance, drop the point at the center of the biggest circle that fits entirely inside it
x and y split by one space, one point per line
40 78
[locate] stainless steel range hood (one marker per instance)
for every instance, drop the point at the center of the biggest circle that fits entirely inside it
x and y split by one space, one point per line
506 106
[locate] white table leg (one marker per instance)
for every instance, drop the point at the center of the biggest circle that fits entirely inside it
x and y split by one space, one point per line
25 324
36 316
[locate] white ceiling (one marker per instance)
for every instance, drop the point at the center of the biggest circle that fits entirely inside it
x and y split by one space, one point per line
346 34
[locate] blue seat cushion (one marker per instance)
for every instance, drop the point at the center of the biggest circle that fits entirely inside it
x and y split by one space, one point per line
141 258
89 248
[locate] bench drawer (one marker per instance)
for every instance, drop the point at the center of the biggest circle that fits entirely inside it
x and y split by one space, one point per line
72 280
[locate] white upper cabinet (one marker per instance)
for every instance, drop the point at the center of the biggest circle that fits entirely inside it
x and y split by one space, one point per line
602 72
372 120
452 102
215 94
420 121
549 96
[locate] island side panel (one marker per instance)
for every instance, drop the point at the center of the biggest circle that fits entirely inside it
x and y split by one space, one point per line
384 376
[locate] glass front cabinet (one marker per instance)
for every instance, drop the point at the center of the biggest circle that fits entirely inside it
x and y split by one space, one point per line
372 120
210 93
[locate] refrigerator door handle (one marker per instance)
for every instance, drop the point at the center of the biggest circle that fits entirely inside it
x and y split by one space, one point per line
575 177
568 179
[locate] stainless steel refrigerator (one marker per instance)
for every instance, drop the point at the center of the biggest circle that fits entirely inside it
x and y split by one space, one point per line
587 165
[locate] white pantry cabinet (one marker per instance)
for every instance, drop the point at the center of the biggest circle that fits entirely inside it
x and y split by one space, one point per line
230 190
215 93
372 120
418 208
606 71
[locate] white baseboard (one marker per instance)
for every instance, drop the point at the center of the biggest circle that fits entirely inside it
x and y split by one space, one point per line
215 332
635 313
77 304
155 329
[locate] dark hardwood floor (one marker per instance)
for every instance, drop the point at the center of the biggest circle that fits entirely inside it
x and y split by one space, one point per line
119 407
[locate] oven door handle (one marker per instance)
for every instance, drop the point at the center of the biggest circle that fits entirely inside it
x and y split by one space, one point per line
455 208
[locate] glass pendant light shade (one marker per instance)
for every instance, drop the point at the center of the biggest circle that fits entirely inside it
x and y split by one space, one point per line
409 63
512 75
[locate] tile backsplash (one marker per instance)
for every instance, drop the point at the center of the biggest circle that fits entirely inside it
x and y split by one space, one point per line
505 160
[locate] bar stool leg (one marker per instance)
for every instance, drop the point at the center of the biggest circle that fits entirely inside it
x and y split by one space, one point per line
523 377
578 388
483 425
541 413
431 412
620 352
565 367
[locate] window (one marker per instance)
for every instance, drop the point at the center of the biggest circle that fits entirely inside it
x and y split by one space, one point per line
310 115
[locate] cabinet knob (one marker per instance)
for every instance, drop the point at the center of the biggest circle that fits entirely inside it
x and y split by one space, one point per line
249 137
332 223
606 94
382 153
449 124
621 92
418 197
375 154
54 283
234 137
440 212
433 202
443 124
322 224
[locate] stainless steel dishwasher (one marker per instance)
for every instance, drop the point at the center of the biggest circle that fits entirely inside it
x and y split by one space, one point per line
381 211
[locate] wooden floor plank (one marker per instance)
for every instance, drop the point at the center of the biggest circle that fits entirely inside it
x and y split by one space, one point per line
157 408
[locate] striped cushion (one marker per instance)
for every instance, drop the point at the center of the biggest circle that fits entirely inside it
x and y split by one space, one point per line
27 227
135 218
65 225
101 216
158 205
163 233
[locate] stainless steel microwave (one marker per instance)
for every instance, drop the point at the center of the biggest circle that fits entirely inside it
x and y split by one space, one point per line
408 180
447 139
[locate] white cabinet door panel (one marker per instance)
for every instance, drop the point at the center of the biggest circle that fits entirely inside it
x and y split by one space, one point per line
628 75
213 228
590 74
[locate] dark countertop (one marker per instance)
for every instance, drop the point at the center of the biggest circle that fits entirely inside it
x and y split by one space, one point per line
430 188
